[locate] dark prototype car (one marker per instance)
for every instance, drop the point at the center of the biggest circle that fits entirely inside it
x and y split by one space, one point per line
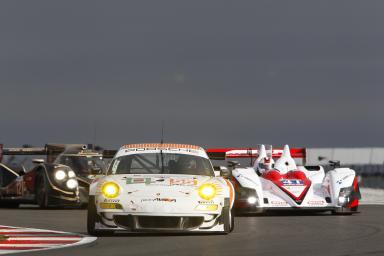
61 180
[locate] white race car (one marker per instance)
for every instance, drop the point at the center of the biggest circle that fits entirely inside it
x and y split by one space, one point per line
275 182
160 187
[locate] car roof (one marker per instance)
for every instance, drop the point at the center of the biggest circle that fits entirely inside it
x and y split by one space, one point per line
188 149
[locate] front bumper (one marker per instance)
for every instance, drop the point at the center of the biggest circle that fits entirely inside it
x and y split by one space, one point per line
58 198
159 223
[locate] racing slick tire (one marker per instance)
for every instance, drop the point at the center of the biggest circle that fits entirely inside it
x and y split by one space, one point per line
228 220
92 219
42 198
345 211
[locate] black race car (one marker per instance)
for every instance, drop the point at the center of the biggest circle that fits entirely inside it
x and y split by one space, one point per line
62 179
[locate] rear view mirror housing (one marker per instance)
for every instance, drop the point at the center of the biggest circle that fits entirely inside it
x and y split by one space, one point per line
222 171
225 173
334 164
233 164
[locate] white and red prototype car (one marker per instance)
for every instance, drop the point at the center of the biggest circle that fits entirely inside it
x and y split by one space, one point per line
160 188
276 182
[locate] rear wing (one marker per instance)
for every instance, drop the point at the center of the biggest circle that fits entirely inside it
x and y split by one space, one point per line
225 153
51 151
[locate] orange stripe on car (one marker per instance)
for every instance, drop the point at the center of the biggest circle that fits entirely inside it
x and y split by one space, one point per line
231 193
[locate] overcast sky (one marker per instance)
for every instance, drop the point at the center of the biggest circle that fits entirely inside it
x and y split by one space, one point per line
219 73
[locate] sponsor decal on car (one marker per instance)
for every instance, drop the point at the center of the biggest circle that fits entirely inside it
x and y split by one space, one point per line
343 179
111 206
206 202
167 200
206 207
316 202
106 200
183 182
162 181
146 181
292 182
279 203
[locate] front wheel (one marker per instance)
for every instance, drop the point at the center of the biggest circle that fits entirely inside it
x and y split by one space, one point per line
228 220
42 192
92 219
345 211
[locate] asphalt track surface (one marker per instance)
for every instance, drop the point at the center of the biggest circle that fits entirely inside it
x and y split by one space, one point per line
304 234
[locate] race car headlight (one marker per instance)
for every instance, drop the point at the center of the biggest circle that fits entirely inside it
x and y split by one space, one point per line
71 174
252 200
344 195
207 191
71 183
60 175
110 189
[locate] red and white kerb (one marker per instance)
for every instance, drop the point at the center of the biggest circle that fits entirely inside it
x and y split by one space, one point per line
16 239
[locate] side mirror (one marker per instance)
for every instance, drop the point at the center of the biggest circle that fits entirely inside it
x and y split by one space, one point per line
334 164
225 173
233 164
38 161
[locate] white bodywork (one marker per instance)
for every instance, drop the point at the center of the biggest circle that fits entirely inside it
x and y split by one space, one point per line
161 195
323 192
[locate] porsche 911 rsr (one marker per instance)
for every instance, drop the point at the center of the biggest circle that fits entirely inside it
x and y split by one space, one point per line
160 188
276 182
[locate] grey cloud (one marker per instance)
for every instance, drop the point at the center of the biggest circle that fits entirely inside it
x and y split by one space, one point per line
219 73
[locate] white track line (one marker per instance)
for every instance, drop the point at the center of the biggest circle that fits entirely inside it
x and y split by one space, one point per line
25 238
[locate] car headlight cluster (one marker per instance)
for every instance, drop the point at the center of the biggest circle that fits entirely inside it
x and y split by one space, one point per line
71 174
344 195
110 189
207 191
66 177
71 183
60 175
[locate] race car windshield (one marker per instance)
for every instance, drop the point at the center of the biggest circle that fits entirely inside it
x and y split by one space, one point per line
82 164
165 163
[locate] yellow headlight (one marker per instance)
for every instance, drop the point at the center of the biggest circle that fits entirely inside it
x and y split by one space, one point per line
207 191
110 189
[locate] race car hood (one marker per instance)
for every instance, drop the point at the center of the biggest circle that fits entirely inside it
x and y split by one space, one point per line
86 179
175 185
164 194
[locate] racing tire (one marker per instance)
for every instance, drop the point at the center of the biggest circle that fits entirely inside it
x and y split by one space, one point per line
228 220
92 219
42 198
345 213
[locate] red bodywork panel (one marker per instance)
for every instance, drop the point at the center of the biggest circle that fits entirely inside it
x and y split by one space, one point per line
292 179
222 153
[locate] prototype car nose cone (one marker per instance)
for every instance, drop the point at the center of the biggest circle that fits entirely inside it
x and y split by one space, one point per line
60 175
71 183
